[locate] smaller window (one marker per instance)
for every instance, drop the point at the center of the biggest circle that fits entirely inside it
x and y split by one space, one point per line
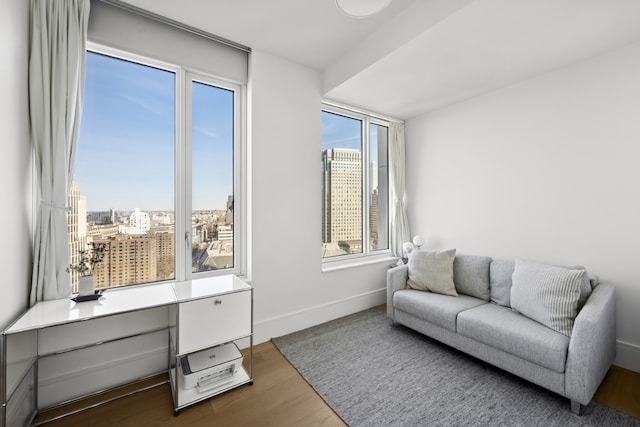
355 184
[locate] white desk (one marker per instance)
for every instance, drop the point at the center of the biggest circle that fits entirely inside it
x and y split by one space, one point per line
19 349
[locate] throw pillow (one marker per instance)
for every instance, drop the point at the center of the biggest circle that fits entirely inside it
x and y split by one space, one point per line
432 271
585 285
471 275
546 294
500 273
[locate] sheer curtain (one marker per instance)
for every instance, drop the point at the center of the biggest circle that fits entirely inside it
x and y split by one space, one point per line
399 222
56 84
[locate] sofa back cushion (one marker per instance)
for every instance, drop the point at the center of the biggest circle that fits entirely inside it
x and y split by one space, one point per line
471 275
500 272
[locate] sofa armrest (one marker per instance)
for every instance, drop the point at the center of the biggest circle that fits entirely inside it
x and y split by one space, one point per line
396 280
592 347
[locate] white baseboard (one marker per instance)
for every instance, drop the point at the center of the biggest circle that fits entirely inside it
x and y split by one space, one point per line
627 356
287 323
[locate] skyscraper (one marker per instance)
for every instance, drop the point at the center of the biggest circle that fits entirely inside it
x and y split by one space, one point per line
342 196
76 229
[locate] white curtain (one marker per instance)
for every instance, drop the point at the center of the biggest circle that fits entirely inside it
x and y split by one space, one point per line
56 84
399 222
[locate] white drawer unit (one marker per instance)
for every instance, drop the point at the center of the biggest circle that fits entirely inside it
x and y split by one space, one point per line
208 321
210 315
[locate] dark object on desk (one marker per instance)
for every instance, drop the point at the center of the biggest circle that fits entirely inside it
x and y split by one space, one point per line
93 297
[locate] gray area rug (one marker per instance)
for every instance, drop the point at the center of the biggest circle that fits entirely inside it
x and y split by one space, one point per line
374 374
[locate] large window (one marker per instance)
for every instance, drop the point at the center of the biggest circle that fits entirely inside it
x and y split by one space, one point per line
156 173
355 184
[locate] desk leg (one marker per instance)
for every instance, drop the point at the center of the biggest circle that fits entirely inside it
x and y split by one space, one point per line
35 386
3 380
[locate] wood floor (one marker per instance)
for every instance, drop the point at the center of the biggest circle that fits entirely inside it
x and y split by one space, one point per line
279 397
620 390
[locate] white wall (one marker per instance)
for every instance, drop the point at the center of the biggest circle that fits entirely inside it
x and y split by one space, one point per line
291 292
545 170
15 165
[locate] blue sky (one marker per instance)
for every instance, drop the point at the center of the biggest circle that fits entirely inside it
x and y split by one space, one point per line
340 132
125 156
344 132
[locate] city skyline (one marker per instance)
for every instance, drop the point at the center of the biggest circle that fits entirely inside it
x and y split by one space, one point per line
139 246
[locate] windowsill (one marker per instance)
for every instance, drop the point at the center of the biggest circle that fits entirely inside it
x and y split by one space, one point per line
329 266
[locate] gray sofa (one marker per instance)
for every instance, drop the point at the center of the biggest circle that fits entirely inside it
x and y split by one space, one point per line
480 322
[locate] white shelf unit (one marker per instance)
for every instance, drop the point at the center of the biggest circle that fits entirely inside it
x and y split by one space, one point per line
24 344
216 311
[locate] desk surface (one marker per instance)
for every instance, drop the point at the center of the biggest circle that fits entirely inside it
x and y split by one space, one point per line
202 288
114 301
62 311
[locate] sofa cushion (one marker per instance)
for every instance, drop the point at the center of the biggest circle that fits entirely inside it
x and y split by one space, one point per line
471 275
500 273
432 271
506 330
441 310
547 294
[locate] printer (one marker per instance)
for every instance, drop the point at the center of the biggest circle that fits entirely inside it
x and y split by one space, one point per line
210 368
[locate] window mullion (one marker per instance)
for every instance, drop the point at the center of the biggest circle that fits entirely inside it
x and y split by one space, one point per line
365 187
183 177
239 159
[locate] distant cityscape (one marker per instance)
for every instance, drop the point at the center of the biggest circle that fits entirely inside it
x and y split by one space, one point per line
140 245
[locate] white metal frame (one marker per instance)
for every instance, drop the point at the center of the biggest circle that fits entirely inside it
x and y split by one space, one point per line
238 171
182 164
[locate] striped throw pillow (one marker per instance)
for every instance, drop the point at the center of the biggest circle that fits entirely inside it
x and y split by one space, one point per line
546 294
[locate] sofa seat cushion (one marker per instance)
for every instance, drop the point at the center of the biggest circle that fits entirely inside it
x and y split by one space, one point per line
506 330
438 309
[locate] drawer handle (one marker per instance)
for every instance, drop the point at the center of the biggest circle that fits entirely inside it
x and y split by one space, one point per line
217 302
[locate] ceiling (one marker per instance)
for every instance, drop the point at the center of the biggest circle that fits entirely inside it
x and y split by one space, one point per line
417 55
